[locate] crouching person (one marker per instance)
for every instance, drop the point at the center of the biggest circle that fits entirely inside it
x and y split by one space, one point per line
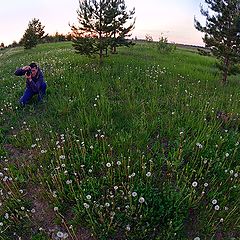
35 83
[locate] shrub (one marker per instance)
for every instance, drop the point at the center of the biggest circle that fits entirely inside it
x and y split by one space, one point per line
164 47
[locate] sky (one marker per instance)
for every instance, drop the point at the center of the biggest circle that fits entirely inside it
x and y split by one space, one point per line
173 19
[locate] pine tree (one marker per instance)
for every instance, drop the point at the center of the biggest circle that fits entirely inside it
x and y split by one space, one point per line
102 23
119 16
38 28
91 36
222 33
29 39
33 34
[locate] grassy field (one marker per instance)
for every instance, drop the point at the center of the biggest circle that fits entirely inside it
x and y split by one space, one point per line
144 147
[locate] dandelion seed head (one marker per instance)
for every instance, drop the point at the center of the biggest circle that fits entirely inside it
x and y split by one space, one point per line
88 197
194 184
68 181
214 201
128 227
60 234
134 194
141 200
216 207
108 165
148 174
199 145
86 205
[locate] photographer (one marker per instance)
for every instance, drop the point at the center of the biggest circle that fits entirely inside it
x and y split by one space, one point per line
35 83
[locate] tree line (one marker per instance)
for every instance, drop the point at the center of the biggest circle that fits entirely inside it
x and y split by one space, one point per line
105 25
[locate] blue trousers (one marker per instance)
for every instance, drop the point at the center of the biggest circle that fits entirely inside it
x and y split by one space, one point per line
28 94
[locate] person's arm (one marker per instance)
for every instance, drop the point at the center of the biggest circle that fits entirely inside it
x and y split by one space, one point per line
21 71
36 86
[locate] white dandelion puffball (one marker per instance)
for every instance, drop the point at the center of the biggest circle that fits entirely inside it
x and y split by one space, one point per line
88 197
134 194
216 207
194 184
108 165
214 201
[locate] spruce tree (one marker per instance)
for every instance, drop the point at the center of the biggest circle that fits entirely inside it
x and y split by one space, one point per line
222 33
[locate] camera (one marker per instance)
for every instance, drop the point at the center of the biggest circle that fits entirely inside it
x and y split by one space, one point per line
28 72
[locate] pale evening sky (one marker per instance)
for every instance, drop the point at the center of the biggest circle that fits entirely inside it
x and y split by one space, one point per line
172 18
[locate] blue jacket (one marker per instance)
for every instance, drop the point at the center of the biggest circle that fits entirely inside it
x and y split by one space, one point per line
36 83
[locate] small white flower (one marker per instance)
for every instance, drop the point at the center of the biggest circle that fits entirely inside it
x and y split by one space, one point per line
196 238
119 163
86 205
205 184
128 227
199 145
115 187
33 210
134 194
141 200
68 181
236 175
148 174
55 209
1 224
221 220
194 184
227 154
6 215
107 204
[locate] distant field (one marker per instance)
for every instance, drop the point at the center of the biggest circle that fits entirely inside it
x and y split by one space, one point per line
145 146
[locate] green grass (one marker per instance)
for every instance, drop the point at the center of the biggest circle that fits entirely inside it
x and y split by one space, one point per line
132 149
